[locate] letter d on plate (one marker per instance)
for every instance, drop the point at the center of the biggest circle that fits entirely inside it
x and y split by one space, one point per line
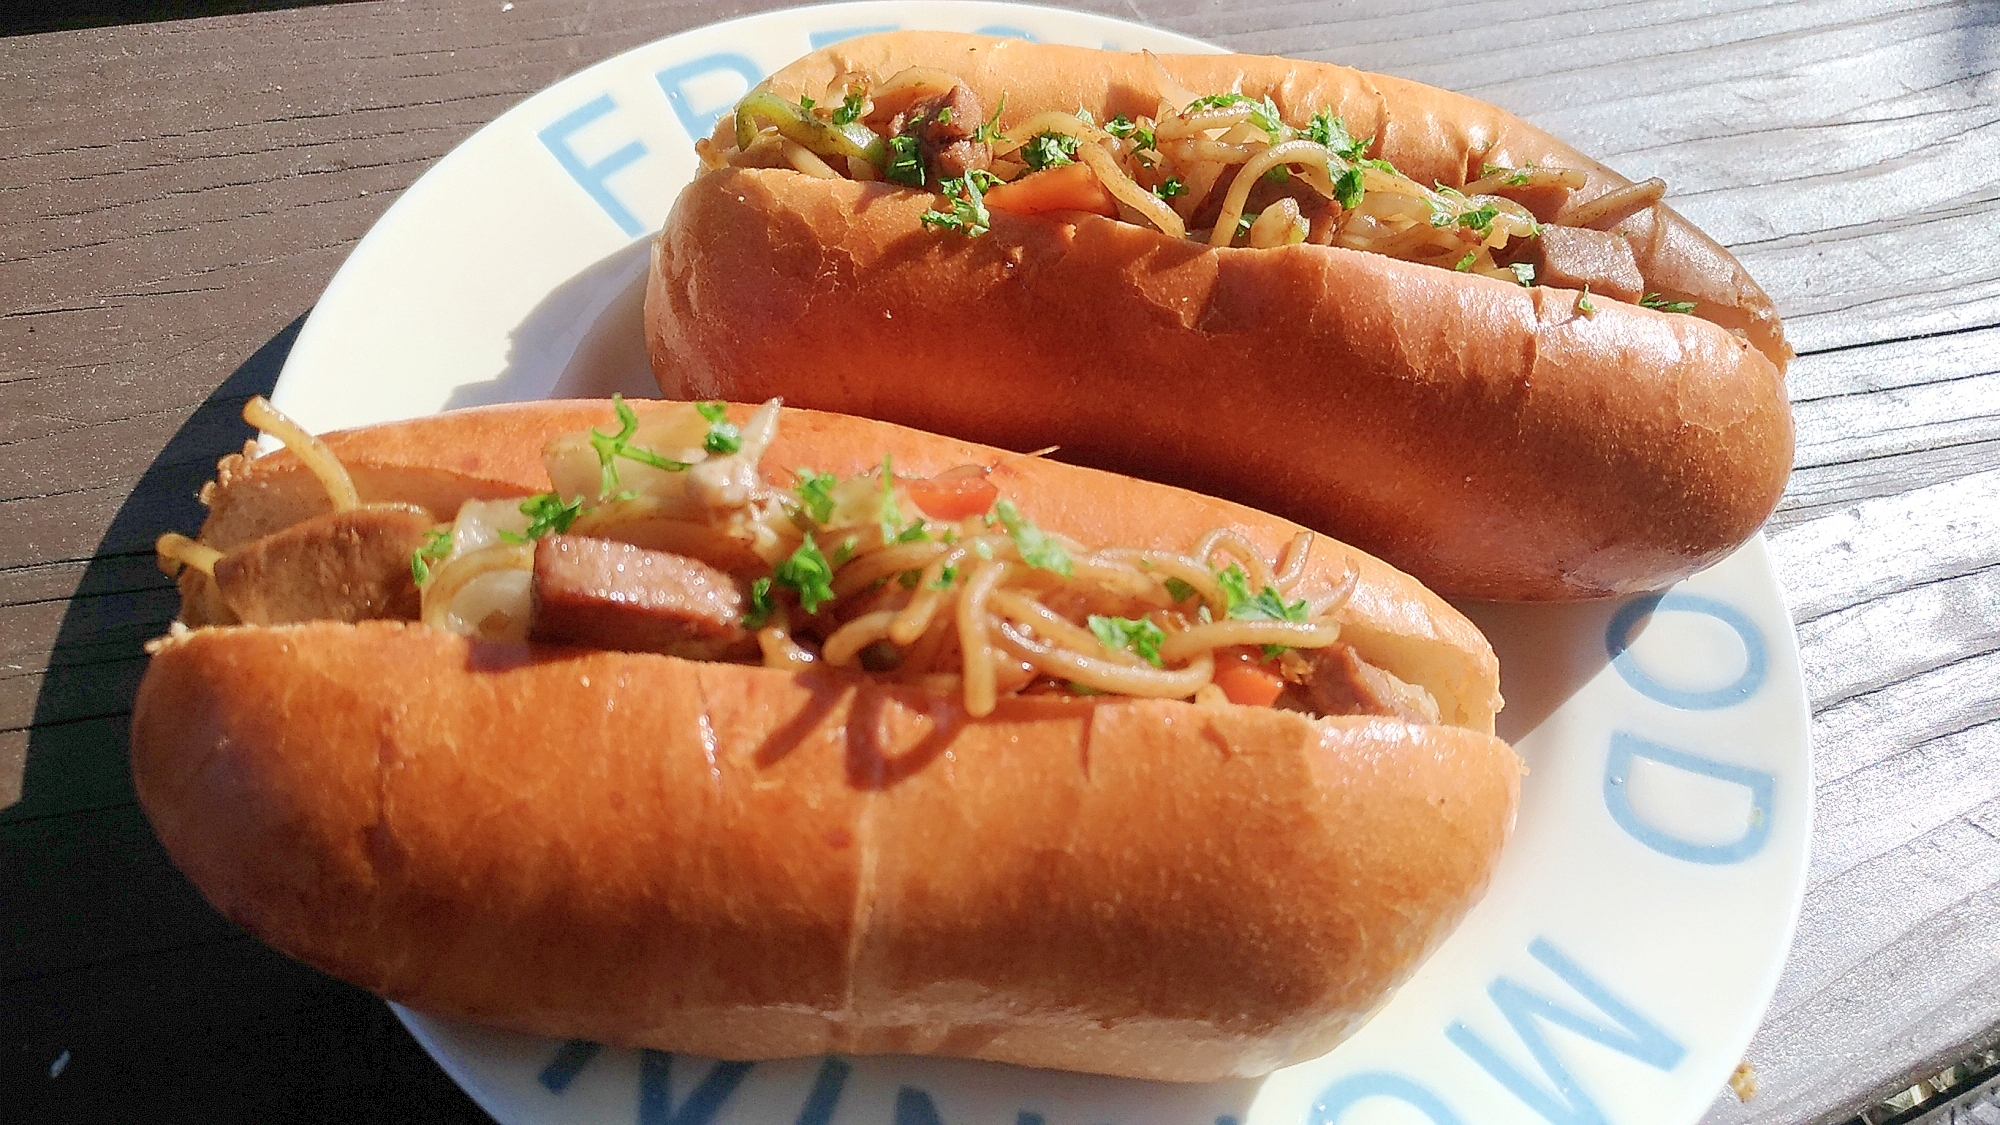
1334 1101
1618 800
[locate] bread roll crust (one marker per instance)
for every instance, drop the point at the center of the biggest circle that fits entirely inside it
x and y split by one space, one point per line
741 862
1495 441
745 863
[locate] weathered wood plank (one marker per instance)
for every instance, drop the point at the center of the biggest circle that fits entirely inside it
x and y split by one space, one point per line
70 694
1835 1042
1889 544
99 627
1878 726
74 767
1830 489
1900 635
223 1030
91 886
56 583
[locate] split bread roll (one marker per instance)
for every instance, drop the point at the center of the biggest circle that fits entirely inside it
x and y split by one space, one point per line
744 861
1491 438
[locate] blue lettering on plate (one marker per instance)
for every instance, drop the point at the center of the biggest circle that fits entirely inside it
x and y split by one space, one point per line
914 1107
1026 1118
1566 1103
1618 642
656 1103
1336 1099
674 81
1002 31
825 1093
1618 799
831 36
569 1061
591 177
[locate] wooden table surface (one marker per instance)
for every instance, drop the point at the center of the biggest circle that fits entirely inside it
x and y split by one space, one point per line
174 196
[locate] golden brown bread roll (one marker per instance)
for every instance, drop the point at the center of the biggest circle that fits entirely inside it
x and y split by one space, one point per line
747 862
1493 440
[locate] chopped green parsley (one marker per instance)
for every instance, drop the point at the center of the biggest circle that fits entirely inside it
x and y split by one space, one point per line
904 164
968 214
808 574
436 546
761 605
610 447
1037 549
990 132
1332 132
1123 127
1048 150
1263 114
850 108
815 491
723 436
546 513
1265 605
1139 636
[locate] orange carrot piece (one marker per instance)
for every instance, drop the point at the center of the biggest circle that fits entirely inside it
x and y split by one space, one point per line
1249 685
1066 187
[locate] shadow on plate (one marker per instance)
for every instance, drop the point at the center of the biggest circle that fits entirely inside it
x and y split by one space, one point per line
526 1078
586 339
1547 652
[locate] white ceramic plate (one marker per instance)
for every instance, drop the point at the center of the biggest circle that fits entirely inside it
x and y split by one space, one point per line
1639 919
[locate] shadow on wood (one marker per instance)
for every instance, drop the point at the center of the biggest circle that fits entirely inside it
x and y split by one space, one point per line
127 994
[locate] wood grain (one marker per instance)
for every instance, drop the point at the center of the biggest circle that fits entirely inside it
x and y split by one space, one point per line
177 194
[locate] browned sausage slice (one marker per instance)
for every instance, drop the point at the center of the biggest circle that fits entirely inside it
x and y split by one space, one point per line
1341 683
1572 257
945 127
611 595
341 566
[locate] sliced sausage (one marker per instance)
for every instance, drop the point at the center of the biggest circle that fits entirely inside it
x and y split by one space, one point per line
1323 221
340 566
1572 257
1339 682
1543 201
944 126
610 595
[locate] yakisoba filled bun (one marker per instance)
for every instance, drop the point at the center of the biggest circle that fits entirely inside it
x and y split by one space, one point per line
755 733
1386 311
